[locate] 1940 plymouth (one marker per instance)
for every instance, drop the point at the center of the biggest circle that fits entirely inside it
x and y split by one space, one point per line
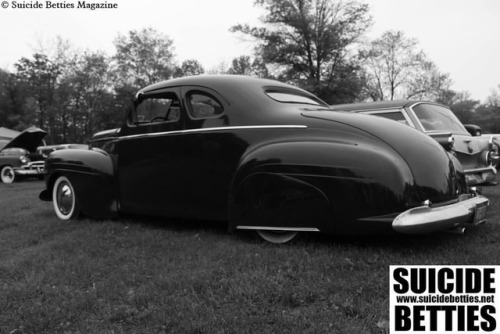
265 156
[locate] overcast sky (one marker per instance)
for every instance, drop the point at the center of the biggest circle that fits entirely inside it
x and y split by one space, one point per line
460 36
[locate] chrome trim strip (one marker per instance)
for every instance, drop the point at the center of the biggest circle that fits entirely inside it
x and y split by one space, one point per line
257 127
269 228
481 170
439 133
102 139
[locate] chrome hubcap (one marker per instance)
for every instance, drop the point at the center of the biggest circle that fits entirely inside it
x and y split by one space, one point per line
65 198
277 236
7 174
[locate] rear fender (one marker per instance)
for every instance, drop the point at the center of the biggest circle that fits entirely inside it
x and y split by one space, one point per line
92 174
278 200
325 185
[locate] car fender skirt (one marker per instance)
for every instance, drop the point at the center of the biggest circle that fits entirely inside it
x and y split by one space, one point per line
274 201
423 219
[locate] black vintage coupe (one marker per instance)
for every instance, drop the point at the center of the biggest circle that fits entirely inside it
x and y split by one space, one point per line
265 156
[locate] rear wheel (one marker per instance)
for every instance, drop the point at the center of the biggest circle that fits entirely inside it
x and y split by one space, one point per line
277 237
64 199
7 174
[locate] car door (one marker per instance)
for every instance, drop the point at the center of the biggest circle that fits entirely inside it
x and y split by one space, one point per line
213 150
149 153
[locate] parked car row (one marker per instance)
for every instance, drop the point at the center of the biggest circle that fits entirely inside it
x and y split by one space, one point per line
24 155
18 156
266 156
477 153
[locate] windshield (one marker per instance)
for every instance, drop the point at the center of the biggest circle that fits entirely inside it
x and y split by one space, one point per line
438 118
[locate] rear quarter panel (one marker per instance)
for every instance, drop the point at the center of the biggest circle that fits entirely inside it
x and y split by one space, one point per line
320 181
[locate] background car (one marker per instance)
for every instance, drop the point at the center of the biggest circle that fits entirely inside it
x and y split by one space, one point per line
478 154
18 156
264 156
45 150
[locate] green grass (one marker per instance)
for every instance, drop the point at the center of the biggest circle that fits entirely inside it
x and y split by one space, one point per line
153 276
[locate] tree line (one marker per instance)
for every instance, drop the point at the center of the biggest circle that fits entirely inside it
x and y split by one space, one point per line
318 45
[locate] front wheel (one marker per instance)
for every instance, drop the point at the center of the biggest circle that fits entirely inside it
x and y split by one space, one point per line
64 199
277 237
7 174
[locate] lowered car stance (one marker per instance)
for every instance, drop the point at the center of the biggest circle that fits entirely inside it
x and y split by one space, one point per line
265 156
477 154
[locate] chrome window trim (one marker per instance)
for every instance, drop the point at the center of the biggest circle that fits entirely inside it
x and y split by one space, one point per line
255 127
416 117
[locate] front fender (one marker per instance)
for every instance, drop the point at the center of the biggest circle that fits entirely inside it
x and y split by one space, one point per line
92 173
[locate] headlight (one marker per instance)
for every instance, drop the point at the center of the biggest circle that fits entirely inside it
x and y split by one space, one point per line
23 159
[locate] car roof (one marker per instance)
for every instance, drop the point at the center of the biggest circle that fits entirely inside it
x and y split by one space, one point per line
376 105
223 83
217 81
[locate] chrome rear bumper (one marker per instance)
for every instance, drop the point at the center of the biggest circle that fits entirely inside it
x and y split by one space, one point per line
468 211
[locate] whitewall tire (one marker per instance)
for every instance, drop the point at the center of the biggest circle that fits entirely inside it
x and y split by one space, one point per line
7 174
64 199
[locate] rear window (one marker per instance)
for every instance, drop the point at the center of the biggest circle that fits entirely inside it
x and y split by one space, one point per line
292 97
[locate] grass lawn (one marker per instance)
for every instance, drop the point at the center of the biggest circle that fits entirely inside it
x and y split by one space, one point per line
172 276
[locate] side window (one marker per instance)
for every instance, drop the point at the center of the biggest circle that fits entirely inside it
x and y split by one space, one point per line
158 108
395 116
202 105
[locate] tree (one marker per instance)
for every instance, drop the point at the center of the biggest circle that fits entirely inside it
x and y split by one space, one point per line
244 65
494 97
40 77
189 67
487 115
143 58
221 68
307 42
90 102
460 103
10 100
395 68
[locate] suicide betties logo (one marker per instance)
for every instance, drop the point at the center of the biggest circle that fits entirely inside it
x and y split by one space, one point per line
444 299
